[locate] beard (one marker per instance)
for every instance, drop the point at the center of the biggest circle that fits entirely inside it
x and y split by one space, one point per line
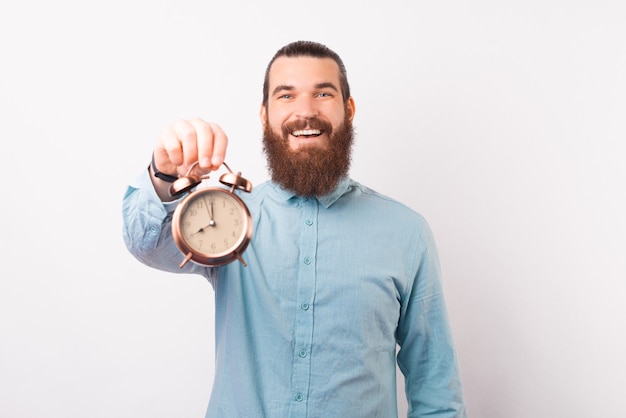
310 170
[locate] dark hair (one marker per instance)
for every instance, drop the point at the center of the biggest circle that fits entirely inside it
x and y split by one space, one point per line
309 49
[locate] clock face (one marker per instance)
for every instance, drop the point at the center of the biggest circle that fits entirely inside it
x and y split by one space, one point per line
212 226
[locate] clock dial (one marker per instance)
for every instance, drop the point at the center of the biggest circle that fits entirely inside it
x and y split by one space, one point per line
212 226
213 223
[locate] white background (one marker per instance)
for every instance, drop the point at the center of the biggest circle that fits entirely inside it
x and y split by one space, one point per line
501 122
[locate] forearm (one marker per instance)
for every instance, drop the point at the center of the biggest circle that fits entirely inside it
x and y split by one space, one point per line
427 356
161 187
147 229
429 362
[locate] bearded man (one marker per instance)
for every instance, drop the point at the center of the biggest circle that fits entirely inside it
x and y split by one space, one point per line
341 284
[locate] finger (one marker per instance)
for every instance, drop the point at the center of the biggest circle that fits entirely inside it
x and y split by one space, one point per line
204 141
187 138
168 152
211 144
220 144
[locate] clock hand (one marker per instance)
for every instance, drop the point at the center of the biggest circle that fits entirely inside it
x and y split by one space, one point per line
210 224
210 209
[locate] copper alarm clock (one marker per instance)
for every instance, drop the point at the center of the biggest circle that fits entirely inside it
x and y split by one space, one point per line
211 226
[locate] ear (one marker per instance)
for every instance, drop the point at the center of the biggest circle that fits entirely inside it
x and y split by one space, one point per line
263 115
350 108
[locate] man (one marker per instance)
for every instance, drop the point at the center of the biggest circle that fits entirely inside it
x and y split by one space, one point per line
337 276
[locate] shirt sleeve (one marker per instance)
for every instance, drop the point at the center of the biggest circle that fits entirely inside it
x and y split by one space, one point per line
147 228
427 356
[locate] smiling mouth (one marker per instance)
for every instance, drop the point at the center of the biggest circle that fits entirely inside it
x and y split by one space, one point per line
307 133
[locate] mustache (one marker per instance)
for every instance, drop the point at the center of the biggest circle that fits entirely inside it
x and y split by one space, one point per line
311 123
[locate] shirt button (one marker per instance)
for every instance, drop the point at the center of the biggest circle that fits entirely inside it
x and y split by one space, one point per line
299 397
304 306
302 353
309 222
307 260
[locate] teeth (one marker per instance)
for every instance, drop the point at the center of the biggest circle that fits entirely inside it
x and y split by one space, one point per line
306 132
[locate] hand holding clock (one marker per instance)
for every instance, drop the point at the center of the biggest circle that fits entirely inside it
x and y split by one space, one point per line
199 146
181 144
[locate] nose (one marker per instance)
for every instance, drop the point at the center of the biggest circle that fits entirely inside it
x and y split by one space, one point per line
306 108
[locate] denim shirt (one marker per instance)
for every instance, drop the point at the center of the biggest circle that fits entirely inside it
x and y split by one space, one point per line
336 290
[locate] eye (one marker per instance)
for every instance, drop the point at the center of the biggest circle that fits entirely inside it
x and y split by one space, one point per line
285 96
324 94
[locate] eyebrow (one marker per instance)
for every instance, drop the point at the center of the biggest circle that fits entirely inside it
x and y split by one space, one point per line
285 87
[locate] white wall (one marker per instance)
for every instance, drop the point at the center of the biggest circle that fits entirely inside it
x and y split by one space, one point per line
501 122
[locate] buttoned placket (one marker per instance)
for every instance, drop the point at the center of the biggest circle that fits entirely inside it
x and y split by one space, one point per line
304 308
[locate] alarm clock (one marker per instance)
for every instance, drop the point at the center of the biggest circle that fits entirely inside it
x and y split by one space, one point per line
211 226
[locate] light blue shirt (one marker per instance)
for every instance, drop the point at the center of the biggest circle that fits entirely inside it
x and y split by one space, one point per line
333 285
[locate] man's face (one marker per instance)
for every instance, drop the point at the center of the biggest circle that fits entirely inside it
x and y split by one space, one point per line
301 88
307 126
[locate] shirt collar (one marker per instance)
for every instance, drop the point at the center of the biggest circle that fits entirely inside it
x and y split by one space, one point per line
326 200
